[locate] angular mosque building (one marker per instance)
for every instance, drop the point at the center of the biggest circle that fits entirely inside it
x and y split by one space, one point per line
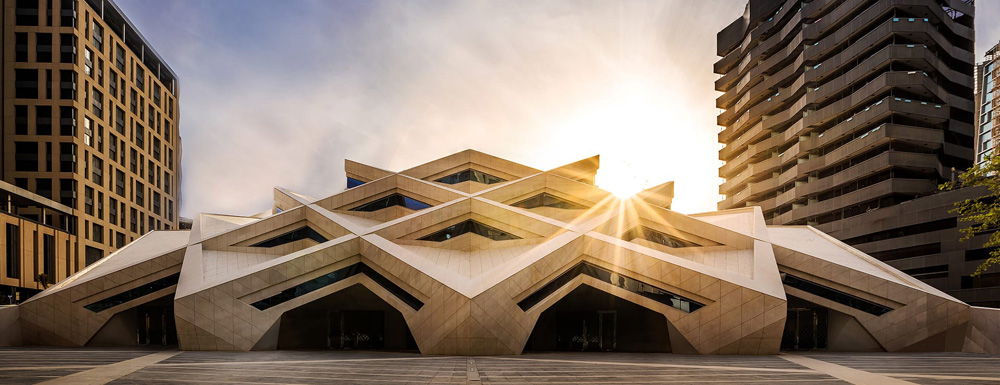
472 254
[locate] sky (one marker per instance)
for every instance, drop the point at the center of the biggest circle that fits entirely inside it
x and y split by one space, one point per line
279 93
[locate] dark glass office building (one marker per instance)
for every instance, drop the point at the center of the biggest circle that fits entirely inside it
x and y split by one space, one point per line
846 116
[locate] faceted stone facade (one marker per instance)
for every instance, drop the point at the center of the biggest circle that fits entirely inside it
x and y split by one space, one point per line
467 254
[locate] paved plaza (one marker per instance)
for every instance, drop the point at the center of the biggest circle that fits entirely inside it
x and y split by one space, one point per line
98 366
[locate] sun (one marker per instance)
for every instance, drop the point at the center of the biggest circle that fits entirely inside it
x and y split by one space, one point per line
619 181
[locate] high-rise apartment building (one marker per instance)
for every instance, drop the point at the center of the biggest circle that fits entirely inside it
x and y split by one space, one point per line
986 102
847 115
90 127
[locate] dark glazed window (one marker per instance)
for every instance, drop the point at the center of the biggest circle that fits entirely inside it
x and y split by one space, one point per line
351 182
292 236
469 226
473 175
548 200
26 13
395 199
136 293
49 257
334 277
26 83
654 236
834 295
13 251
20 120
43 47
631 284
25 156
20 47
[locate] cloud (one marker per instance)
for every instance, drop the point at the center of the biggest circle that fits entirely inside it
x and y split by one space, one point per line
280 93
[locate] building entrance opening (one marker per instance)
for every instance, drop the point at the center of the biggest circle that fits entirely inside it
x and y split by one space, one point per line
156 325
353 318
151 324
805 329
589 319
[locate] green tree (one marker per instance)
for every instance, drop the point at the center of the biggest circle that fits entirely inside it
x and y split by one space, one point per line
982 213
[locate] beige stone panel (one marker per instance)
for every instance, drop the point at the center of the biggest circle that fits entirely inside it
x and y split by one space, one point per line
10 326
364 172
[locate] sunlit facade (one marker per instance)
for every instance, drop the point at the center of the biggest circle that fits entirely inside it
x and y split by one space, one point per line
472 254
89 125
987 101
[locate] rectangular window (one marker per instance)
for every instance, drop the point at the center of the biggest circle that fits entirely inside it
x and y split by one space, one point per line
88 62
120 183
156 148
133 219
112 210
43 47
150 173
97 171
156 203
43 120
97 104
170 210
49 258
67 193
120 120
25 156
43 187
13 251
133 160
88 132
88 200
120 58
26 83
112 84
140 77
98 36
112 147
97 235
67 14
20 120
26 13
67 121
119 240
139 191
170 159
100 205
133 101
67 157
140 136
67 84
67 48
166 183
20 47
100 71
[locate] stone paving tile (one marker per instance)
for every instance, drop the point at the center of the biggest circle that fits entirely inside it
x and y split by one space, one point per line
373 367
926 364
32 365
614 369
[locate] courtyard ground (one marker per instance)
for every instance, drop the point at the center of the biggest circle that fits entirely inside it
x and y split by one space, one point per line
133 366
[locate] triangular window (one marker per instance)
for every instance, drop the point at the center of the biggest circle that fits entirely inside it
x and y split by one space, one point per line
548 200
469 226
654 236
395 199
304 232
473 175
